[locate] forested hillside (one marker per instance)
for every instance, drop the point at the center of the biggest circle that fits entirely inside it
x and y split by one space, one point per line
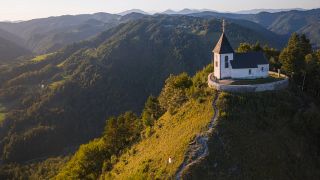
9 51
50 34
66 96
257 135
51 104
272 135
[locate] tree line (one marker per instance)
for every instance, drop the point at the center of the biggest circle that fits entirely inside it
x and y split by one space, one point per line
298 60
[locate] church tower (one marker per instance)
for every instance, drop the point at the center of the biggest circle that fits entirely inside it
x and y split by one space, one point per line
222 55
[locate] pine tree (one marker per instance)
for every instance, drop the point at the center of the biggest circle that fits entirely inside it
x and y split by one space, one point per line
292 56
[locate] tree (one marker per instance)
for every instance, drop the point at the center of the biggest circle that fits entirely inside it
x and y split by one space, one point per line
292 56
244 47
256 47
152 111
273 56
173 95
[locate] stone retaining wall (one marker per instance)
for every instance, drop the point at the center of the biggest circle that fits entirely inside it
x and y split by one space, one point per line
277 85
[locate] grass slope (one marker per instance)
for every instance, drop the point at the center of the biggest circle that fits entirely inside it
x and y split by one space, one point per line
42 57
271 135
2 112
172 134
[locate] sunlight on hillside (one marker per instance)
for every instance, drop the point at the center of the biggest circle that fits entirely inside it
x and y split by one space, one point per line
2 113
173 133
56 84
41 57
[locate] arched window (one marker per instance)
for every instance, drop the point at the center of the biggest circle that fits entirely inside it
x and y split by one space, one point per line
262 69
216 63
226 62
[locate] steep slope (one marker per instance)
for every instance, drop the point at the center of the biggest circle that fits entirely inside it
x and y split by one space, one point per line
247 141
271 135
144 154
266 135
66 96
170 139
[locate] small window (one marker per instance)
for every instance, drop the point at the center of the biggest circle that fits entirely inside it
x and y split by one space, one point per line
226 61
216 63
262 69
249 71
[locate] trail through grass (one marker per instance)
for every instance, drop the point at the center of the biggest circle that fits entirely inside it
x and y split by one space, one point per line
171 138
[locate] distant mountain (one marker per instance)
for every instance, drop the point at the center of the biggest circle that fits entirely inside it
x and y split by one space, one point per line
185 11
87 82
283 23
131 17
256 11
11 47
49 34
12 37
132 11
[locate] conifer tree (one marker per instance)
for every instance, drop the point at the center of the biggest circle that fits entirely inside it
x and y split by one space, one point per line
292 56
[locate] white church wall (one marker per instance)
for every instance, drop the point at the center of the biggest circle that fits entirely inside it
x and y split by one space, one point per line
260 72
263 70
226 72
216 65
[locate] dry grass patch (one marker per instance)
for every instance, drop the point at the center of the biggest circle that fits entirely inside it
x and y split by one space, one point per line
41 57
2 113
170 138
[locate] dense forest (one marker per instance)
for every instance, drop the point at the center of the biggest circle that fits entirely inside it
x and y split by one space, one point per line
136 85
67 95
292 118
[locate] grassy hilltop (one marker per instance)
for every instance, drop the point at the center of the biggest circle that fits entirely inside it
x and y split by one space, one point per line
270 135
266 135
257 135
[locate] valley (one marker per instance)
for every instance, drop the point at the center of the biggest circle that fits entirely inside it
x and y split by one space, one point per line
115 96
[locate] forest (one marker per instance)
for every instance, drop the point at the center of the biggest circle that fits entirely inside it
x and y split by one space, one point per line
185 96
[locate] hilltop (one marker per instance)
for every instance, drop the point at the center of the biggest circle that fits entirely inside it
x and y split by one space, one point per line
257 135
96 94
89 81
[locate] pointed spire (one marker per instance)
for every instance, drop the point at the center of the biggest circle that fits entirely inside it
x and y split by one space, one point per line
223 45
223 25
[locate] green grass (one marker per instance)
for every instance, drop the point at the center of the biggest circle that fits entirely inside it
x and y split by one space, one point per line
171 137
271 78
41 57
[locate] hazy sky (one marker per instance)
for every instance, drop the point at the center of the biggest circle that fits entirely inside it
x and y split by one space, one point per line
28 9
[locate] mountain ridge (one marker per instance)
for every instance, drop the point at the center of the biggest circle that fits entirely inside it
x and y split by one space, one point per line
91 75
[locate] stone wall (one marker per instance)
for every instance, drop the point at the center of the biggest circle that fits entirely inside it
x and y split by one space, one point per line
277 85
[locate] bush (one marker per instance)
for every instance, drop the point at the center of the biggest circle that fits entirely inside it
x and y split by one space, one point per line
173 95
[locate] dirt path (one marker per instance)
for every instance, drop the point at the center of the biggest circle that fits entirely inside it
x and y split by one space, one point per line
198 149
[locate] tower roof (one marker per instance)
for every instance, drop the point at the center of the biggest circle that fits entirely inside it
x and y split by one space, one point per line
223 46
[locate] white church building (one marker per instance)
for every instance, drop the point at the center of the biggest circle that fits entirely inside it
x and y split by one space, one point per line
231 65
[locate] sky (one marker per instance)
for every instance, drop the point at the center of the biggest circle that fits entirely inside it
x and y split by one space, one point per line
29 9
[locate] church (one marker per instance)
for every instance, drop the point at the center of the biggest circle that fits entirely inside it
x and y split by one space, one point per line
231 65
